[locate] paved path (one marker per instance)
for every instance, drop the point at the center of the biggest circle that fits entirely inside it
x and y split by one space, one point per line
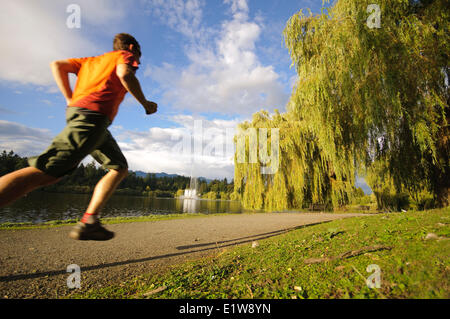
33 262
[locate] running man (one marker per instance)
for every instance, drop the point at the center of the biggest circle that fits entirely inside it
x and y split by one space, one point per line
102 83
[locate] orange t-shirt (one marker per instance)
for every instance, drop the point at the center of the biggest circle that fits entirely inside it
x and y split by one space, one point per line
98 88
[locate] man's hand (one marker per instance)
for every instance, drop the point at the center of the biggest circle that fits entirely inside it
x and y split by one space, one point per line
150 107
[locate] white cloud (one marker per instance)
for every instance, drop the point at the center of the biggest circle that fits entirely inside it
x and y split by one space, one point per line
202 147
238 7
184 16
7 111
35 33
23 140
226 77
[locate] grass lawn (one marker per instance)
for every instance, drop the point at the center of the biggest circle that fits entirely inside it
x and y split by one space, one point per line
330 260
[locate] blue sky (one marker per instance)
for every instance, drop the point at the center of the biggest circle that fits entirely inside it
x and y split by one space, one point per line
207 63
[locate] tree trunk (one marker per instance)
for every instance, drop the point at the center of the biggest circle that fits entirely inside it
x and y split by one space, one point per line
443 198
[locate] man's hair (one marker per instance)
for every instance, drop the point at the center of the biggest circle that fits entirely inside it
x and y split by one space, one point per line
123 40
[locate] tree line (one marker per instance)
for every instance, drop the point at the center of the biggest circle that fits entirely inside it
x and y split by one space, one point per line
368 101
84 178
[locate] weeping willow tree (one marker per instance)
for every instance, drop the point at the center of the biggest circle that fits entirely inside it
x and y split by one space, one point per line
300 178
365 98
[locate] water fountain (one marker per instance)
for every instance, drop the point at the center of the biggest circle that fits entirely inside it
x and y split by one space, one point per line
191 192
190 197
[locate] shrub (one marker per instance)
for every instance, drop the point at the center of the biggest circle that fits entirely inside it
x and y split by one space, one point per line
392 202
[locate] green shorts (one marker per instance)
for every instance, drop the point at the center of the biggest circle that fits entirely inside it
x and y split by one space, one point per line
86 132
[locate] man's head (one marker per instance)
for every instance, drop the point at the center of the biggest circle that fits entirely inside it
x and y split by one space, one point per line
125 41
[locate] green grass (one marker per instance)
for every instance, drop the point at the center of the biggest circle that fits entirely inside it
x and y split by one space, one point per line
412 267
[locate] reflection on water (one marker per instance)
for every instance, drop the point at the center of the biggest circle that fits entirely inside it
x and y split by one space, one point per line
190 205
40 207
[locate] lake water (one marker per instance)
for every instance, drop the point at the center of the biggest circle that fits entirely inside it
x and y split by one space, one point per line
38 207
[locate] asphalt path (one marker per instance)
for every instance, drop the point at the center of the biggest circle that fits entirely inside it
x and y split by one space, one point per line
34 262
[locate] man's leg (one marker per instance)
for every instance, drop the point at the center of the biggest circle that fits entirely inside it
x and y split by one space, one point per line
102 192
89 228
109 155
19 183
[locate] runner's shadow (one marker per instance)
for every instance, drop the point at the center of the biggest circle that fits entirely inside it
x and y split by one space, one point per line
217 245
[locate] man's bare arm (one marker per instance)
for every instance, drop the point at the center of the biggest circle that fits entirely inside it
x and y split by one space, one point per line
61 70
126 75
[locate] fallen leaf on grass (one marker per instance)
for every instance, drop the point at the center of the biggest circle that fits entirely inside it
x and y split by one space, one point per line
155 291
431 236
251 293
314 260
